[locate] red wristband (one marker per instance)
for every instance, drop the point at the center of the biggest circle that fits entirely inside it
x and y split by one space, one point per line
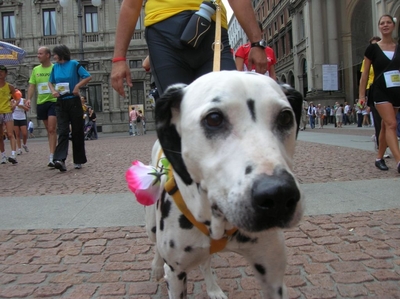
116 59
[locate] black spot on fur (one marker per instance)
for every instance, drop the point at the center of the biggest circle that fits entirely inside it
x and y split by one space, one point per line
188 248
182 275
260 269
250 105
242 238
207 222
166 282
182 295
280 292
184 223
216 212
216 100
153 229
165 209
249 169
171 244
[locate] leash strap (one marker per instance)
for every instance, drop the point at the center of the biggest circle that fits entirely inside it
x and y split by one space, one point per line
217 42
215 245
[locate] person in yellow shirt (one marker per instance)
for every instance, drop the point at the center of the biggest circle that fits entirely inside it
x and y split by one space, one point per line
370 102
174 58
7 107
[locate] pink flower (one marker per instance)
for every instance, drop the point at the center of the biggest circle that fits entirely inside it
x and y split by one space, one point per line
145 182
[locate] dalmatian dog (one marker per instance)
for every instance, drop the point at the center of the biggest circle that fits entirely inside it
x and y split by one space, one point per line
230 137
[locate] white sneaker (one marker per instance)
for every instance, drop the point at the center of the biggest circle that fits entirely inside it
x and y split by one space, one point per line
25 147
19 152
3 160
77 166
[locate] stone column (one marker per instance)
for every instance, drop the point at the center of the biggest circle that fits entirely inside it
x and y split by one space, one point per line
317 42
332 32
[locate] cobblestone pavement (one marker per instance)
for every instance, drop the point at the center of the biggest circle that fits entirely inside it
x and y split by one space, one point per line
352 255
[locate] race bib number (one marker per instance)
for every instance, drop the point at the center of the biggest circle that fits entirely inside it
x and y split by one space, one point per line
392 79
43 88
62 88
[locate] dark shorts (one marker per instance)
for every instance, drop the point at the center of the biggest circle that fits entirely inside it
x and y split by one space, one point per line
20 122
31 130
178 63
45 110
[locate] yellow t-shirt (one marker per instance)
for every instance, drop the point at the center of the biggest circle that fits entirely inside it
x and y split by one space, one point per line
159 10
5 96
370 76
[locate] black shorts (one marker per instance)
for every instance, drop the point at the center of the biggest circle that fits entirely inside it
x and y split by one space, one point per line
172 62
20 122
45 110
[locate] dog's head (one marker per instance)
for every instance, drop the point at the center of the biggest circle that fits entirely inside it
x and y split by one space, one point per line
234 134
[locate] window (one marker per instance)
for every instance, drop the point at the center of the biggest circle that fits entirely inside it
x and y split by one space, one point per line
275 26
91 21
49 22
93 66
95 97
8 25
276 50
135 64
282 19
283 46
137 93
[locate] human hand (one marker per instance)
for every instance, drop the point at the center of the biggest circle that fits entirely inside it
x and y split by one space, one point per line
258 59
55 94
119 72
28 104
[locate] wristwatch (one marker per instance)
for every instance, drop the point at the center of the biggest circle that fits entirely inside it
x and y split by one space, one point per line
262 44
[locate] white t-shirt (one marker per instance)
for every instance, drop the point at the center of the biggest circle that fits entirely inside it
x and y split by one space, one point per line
19 113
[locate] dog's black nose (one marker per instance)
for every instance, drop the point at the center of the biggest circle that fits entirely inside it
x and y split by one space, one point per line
275 198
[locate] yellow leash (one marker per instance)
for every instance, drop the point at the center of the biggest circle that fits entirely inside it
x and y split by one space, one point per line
172 189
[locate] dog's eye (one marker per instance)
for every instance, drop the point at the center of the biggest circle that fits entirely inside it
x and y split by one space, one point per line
285 119
214 119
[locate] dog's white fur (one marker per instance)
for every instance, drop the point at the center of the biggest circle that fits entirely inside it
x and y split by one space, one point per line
224 161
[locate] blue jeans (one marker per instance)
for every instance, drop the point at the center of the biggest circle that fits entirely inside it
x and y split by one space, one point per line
312 122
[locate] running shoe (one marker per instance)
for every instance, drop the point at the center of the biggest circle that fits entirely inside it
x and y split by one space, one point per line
60 165
12 159
25 147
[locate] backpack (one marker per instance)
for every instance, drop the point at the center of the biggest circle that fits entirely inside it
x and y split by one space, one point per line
138 118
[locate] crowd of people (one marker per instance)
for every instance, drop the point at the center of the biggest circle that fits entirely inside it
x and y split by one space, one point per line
59 106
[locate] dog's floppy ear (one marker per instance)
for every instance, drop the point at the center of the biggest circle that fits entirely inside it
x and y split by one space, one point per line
296 101
166 131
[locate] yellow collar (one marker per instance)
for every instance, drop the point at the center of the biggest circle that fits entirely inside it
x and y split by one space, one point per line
215 245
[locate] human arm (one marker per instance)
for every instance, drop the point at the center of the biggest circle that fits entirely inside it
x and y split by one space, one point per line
129 14
81 83
146 64
239 61
244 13
364 78
31 92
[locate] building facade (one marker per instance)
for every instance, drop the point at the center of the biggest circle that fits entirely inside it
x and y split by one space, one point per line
89 32
320 44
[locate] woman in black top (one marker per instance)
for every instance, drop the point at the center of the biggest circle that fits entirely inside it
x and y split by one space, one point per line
385 91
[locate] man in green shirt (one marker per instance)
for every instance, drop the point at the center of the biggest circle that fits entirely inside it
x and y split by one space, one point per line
45 101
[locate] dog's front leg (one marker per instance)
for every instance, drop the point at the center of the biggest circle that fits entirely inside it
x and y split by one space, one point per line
176 283
268 259
213 289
